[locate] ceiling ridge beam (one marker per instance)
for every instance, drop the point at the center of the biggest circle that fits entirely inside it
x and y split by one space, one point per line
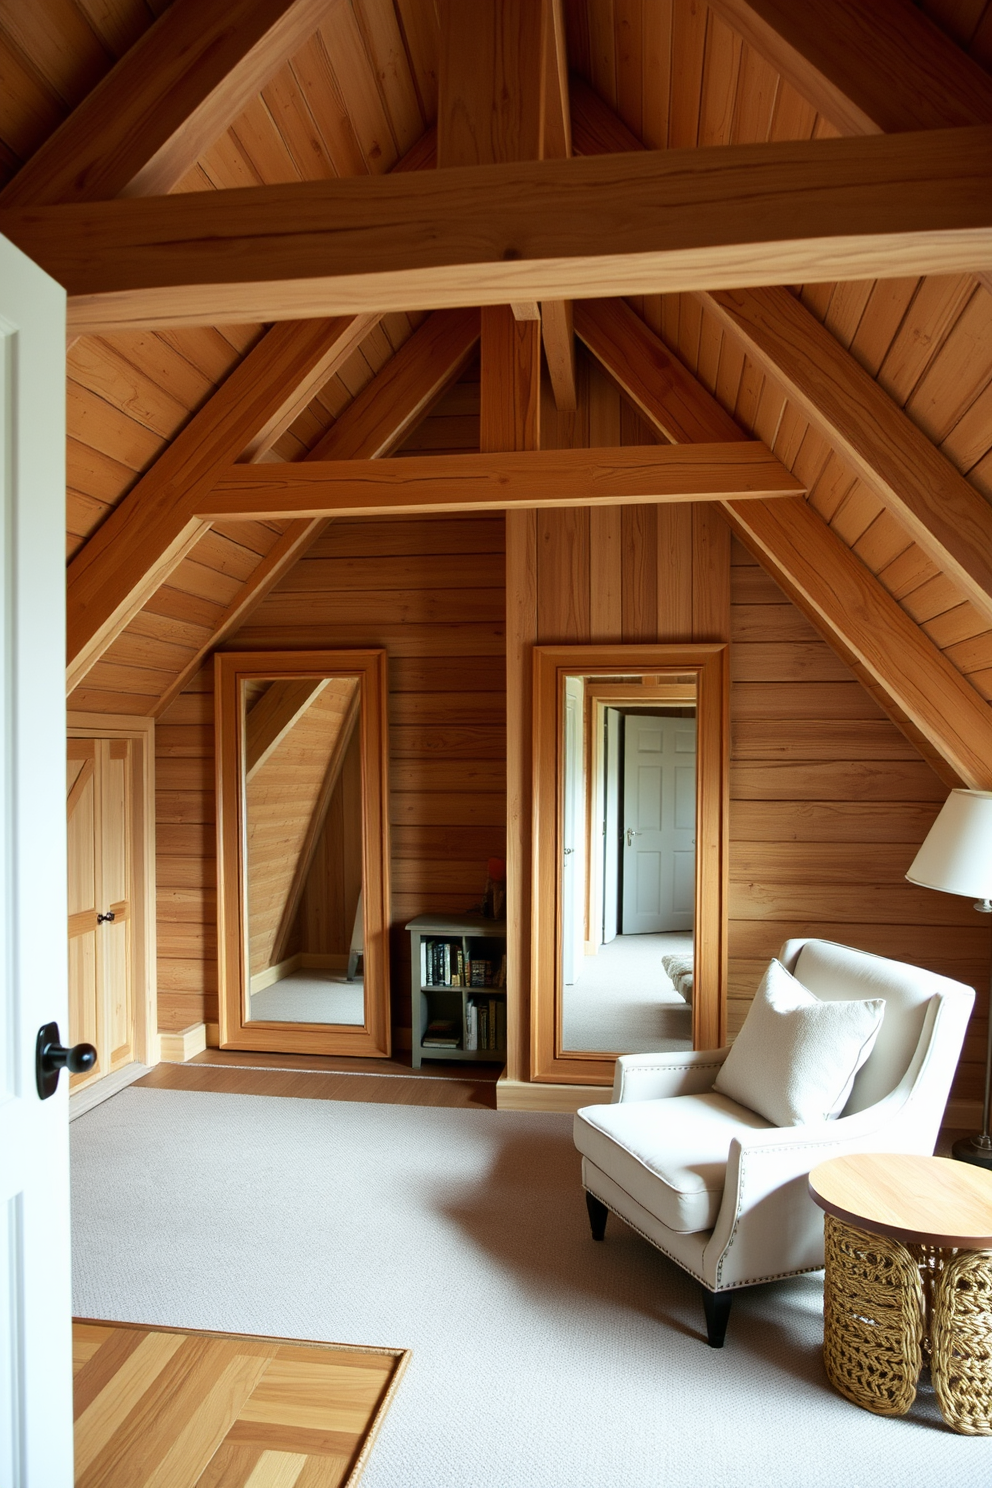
939 508
644 222
170 96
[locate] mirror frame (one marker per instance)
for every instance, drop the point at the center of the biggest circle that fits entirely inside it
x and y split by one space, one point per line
709 664
231 668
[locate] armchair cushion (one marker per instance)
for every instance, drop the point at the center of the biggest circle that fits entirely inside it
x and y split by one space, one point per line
795 1059
670 1155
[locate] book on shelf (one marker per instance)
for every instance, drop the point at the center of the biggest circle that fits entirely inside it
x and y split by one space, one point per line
442 964
442 1033
471 1025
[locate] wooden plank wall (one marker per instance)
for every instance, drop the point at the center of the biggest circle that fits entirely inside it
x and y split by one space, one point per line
431 591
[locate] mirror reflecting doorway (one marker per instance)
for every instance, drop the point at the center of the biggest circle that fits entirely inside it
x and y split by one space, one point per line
628 870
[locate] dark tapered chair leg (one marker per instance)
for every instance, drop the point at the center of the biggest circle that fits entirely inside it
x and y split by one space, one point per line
716 1305
598 1214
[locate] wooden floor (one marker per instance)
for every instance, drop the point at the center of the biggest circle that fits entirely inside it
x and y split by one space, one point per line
219 1410
389 1082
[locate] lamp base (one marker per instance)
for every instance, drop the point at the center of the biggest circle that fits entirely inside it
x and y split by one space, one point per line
976 1150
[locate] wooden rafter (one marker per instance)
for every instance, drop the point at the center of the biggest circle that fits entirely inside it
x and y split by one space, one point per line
169 97
951 521
495 482
649 222
372 426
819 571
870 68
149 533
271 718
828 582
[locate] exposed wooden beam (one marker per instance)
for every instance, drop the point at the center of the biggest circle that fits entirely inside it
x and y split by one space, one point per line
939 709
873 68
168 98
951 521
510 382
556 144
819 571
496 482
371 427
665 391
271 718
649 222
869 66
155 526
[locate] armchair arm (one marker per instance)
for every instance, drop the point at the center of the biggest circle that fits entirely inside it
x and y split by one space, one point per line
656 1076
768 1225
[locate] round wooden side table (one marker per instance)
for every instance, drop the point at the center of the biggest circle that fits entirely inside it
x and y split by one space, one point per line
908 1279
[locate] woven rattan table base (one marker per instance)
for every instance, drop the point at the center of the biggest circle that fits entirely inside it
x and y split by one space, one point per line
886 1306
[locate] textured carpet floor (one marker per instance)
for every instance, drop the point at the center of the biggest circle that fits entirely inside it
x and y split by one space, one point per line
540 1359
624 999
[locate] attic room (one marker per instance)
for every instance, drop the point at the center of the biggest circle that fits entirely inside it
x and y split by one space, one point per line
528 425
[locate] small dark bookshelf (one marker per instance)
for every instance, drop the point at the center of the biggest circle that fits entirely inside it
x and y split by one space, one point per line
458 988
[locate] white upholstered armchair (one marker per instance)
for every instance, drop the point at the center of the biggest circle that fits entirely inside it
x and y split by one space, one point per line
721 1190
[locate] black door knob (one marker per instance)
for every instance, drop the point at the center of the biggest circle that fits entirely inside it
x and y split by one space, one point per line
51 1057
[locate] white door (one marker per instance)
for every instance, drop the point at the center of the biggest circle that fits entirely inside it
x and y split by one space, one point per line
36 1310
573 836
659 818
611 827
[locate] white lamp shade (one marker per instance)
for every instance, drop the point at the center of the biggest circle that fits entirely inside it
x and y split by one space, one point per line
956 855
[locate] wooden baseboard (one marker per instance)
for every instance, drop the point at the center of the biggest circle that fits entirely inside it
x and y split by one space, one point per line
81 1101
176 1048
965 1113
526 1095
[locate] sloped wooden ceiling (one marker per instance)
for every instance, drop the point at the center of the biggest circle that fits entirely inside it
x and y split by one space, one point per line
358 95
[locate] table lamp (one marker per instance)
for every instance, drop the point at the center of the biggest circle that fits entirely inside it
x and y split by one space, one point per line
956 856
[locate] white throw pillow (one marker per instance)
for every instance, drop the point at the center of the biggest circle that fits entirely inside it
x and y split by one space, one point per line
795 1059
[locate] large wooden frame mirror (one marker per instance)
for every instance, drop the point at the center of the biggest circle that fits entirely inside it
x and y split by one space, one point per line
629 936
303 852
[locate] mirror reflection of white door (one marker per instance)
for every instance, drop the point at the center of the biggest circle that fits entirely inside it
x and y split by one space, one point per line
611 826
659 820
573 835
36 1315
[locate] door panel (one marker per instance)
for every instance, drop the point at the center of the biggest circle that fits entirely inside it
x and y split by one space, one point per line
659 853
101 972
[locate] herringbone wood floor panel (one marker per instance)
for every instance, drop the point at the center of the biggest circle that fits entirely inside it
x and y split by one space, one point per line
158 1408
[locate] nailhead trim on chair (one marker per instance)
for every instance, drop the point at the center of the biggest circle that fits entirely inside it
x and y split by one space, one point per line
735 1286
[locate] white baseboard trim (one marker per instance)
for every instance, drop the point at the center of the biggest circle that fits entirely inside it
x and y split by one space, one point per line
526 1095
81 1101
176 1048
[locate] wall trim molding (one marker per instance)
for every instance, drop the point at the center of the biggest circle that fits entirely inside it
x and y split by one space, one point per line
81 1101
178 1046
528 1095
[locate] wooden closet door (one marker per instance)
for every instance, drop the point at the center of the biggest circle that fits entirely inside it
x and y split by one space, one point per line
84 991
101 990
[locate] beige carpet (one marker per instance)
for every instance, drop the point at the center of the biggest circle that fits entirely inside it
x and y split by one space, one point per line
540 1359
624 1000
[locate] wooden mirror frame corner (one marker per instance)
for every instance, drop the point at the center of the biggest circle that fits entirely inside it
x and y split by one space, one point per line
710 664
373 1038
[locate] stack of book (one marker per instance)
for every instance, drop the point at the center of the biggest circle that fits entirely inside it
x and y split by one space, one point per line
443 963
442 1033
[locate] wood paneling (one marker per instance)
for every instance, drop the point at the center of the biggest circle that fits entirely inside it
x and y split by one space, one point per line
442 775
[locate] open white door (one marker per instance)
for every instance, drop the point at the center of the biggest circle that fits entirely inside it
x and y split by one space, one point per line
659 812
611 830
35 1315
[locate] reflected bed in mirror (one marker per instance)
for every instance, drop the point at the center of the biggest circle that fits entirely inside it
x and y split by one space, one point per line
628 872
301 836
630 853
